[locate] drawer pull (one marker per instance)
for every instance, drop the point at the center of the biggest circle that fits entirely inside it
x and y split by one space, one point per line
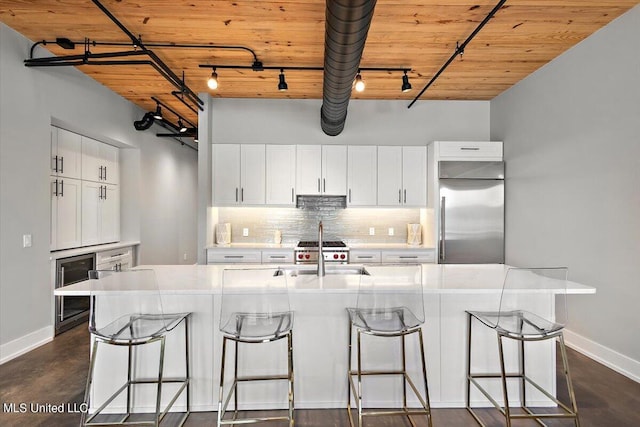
233 256
364 256
408 257
470 148
277 257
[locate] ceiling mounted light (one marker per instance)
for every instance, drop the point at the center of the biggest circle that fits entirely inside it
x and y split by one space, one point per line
282 85
158 114
359 83
406 86
213 80
181 127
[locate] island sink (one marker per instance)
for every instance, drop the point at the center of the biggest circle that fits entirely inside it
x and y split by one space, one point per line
329 270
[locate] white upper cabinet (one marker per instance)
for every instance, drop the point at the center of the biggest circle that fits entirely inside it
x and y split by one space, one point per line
468 150
362 175
334 170
100 162
321 169
252 174
66 213
66 153
308 169
100 213
281 175
414 176
402 176
238 174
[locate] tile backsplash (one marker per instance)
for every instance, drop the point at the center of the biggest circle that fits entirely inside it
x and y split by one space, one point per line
351 225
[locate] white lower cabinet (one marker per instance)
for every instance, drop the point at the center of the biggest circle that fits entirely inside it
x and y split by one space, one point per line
100 213
66 213
408 256
115 259
361 256
277 256
234 256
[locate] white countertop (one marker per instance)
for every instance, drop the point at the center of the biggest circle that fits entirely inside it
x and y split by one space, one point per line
437 279
88 249
372 246
253 245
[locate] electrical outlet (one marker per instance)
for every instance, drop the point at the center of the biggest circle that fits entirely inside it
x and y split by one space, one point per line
372 231
26 240
391 231
245 232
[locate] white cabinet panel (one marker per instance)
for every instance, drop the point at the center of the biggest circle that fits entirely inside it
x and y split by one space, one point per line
100 213
402 176
66 153
321 169
470 150
238 174
334 170
414 176
252 174
308 169
66 213
362 175
100 161
277 256
226 174
280 174
408 256
364 256
233 256
389 176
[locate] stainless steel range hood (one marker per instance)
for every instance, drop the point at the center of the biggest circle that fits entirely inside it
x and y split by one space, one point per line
321 203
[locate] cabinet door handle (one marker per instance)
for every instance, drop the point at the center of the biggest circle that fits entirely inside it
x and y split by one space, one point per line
105 192
105 173
242 194
100 193
55 163
236 194
61 164
318 185
55 188
405 195
291 194
399 196
324 183
100 173
349 195
61 188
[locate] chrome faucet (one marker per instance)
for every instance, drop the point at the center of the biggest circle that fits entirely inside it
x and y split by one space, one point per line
321 271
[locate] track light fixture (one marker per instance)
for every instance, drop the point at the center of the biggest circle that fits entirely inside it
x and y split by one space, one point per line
213 80
359 83
181 127
406 86
282 85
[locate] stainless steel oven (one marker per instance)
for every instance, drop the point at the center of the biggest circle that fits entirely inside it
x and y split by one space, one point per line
71 311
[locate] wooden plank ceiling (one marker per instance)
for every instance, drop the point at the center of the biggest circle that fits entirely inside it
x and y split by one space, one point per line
417 34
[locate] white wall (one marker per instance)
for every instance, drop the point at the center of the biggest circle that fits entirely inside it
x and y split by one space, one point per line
572 146
298 122
159 180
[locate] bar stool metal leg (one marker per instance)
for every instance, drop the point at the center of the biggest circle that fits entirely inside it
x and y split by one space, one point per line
507 412
567 375
424 377
291 391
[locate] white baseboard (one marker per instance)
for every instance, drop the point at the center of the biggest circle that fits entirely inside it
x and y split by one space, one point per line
24 344
610 358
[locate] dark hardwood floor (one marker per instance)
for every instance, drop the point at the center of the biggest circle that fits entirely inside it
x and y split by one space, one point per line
56 373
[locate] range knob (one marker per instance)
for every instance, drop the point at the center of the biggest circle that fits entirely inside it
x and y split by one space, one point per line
343 256
335 256
300 256
307 256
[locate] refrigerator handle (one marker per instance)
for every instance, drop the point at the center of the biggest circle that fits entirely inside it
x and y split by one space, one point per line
442 215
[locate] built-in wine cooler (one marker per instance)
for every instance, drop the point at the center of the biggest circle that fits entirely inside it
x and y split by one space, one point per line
72 310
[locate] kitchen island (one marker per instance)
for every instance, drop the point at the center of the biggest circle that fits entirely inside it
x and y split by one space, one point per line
321 336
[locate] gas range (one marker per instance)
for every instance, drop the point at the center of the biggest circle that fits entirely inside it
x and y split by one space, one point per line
336 252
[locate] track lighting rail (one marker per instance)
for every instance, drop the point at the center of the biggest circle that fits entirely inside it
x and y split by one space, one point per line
459 50
175 113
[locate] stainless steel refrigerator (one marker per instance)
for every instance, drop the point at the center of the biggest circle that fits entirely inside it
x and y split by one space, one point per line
471 198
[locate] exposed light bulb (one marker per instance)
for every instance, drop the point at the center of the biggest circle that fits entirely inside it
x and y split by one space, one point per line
213 81
359 85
